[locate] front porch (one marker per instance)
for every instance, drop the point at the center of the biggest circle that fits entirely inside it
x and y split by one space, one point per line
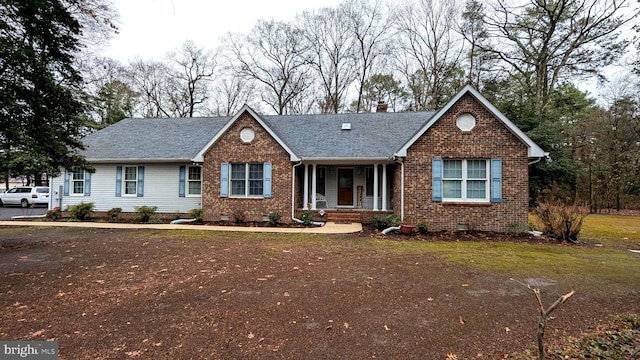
345 192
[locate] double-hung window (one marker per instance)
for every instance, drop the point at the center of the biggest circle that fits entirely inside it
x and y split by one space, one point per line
77 182
247 180
465 180
130 181
194 180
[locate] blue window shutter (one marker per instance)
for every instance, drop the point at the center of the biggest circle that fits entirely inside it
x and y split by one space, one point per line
266 173
118 181
66 183
496 180
87 183
224 180
181 188
436 180
140 181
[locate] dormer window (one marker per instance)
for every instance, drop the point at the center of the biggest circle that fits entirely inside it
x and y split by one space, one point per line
346 126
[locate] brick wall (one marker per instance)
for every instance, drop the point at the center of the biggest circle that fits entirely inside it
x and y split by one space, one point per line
230 148
489 139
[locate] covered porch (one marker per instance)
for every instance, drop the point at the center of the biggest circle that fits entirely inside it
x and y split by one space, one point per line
335 190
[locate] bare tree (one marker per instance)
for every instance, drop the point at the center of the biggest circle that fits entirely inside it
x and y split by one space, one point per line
370 24
148 79
231 92
190 81
545 42
275 54
110 95
98 20
179 87
331 41
431 51
474 31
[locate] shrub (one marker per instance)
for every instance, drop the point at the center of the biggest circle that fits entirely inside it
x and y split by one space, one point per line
307 218
274 219
113 213
423 227
383 222
145 213
82 211
195 214
561 220
54 214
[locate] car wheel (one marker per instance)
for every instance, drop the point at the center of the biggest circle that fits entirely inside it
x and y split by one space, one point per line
24 203
1 204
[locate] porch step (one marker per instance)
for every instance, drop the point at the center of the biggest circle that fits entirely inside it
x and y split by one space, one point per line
344 216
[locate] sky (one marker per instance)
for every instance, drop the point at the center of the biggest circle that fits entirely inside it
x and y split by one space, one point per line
151 28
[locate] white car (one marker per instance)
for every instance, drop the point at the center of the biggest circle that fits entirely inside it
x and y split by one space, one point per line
25 196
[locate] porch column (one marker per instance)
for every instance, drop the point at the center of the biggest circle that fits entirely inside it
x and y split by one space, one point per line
384 187
313 186
375 187
306 188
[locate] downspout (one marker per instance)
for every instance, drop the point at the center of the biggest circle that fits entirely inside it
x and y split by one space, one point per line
293 197
398 159
535 161
402 191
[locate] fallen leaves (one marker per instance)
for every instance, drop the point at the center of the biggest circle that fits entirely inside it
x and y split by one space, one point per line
37 333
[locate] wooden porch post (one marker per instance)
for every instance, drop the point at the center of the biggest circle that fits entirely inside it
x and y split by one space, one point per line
306 188
313 186
384 187
375 187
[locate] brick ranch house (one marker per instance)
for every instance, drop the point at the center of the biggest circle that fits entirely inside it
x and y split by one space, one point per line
464 166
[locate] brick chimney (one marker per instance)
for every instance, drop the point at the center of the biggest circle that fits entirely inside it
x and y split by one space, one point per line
382 106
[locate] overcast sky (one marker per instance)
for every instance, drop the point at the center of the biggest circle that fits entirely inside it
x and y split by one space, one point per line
150 28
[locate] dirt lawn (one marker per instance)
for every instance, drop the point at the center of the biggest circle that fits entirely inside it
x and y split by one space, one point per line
127 294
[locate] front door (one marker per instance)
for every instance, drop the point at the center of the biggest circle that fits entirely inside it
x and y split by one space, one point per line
345 187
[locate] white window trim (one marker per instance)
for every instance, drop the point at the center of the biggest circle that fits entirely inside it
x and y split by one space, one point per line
246 181
124 182
188 188
72 181
487 183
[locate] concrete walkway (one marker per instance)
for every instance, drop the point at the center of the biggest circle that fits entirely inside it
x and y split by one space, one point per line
328 228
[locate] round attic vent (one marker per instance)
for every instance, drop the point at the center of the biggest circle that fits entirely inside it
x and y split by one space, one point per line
247 135
466 122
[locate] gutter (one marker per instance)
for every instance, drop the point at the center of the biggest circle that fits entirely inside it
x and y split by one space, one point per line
546 157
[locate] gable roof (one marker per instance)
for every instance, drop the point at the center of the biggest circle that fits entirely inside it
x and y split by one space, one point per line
151 140
246 108
533 149
372 136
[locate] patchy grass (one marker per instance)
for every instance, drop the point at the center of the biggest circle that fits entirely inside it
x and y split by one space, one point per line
594 270
615 231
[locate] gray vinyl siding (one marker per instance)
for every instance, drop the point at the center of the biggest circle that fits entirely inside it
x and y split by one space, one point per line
161 189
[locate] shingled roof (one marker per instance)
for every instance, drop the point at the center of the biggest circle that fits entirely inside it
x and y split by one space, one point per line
372 135
151 139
